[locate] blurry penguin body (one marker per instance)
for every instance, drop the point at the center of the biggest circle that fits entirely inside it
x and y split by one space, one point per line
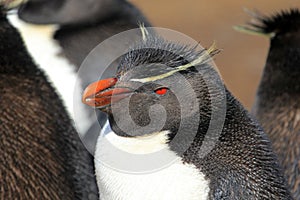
42 156
48 55
277 104
77 27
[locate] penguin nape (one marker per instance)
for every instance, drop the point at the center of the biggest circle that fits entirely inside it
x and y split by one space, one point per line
42 156
277 104
240 166
74 28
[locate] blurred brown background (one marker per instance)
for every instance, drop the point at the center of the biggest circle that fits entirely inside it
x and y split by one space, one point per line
243 56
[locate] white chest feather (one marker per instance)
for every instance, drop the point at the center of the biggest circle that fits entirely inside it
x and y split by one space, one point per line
177 181
45 51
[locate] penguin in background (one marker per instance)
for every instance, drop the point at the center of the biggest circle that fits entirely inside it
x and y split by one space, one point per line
241 165
42 156
63 33
277 105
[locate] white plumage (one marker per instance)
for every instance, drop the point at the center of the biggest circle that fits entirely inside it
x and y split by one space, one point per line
177 181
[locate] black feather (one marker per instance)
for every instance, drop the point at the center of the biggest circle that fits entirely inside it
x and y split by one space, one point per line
277 101
42 156
156 49
279 23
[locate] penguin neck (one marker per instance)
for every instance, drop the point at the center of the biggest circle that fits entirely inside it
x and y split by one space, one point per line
235 115
282 71
178 141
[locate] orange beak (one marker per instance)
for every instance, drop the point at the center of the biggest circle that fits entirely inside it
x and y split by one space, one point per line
102 93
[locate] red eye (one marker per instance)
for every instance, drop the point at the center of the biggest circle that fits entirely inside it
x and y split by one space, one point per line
161 91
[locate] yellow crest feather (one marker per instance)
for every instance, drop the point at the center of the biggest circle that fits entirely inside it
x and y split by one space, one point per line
202 59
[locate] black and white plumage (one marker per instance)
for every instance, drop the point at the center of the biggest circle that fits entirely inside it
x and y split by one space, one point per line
63 33
241 164
42 156
277 104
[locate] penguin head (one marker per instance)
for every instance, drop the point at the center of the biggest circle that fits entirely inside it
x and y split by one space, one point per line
283 29
283 26
153 80
123 97
65 12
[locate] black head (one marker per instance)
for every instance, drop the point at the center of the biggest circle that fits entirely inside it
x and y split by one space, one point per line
280 23
68 11
158 85
281 72
284 26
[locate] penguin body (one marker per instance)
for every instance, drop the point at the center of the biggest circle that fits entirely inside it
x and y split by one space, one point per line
240 164
77 27
42 156
277 104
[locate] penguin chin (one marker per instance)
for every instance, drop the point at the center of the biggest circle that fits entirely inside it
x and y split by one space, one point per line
144 144
134 133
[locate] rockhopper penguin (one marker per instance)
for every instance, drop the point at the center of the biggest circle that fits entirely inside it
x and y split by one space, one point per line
241 164
59 34
42 156
277 105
